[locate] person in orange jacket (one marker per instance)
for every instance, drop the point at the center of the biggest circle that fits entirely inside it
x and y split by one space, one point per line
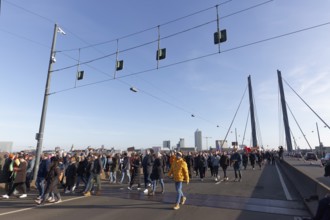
179 171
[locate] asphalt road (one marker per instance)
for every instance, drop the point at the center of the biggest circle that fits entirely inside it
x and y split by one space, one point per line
263 194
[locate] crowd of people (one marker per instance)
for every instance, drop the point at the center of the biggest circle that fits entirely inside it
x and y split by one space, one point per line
68 170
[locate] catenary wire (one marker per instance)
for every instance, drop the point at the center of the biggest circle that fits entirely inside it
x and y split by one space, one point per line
214 20
203 56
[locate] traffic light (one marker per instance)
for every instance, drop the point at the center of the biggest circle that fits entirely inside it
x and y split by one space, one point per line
119 65
80 75
161 54
220 37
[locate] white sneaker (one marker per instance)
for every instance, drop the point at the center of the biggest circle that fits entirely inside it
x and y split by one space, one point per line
58 201
73 188
22 196
67 191
145 191
129 188
38 201
5 196
52 200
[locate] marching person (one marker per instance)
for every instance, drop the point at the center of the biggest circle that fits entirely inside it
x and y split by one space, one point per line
20 178
135 167
224 163
52 180
179 171
125 169
236 162
157 173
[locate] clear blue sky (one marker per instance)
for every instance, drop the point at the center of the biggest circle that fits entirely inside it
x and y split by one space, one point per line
211 88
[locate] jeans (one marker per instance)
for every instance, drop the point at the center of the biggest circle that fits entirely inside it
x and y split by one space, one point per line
113 177
178 188
154 185
123 172
90 183
40 183
29 177
81 178
147 179
237 170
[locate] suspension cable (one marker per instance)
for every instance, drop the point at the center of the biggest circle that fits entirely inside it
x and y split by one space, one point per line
299 126
246 123
233 118
307 104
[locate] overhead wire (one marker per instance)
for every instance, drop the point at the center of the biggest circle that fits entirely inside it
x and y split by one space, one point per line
23 37
203 56
29 11
157 98
151 28
178 33
171 35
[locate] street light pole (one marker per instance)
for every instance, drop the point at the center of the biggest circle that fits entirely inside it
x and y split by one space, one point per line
39 136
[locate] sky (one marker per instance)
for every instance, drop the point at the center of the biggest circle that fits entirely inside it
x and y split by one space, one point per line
194 78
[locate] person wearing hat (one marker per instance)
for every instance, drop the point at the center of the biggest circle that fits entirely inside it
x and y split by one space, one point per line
179 172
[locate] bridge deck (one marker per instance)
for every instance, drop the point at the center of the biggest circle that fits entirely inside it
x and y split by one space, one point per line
259 196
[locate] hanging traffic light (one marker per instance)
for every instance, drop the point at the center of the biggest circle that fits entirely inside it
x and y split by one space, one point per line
161 54
220 37
119 65
80 75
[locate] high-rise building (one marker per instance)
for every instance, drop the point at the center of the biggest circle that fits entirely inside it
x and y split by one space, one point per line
198 140
166 144
180 144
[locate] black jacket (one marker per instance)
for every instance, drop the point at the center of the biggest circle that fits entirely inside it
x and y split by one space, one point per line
157 170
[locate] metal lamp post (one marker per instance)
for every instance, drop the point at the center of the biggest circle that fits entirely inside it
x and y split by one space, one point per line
40 134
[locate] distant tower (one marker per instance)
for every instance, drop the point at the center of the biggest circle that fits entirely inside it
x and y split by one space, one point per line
198 140
180 144
166 144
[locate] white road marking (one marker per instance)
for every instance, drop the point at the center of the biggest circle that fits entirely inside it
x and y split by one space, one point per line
47 204
285 189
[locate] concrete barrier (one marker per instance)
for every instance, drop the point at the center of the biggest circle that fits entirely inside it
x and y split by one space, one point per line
310 189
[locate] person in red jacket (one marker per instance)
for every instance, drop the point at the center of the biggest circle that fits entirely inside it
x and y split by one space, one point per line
179 171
